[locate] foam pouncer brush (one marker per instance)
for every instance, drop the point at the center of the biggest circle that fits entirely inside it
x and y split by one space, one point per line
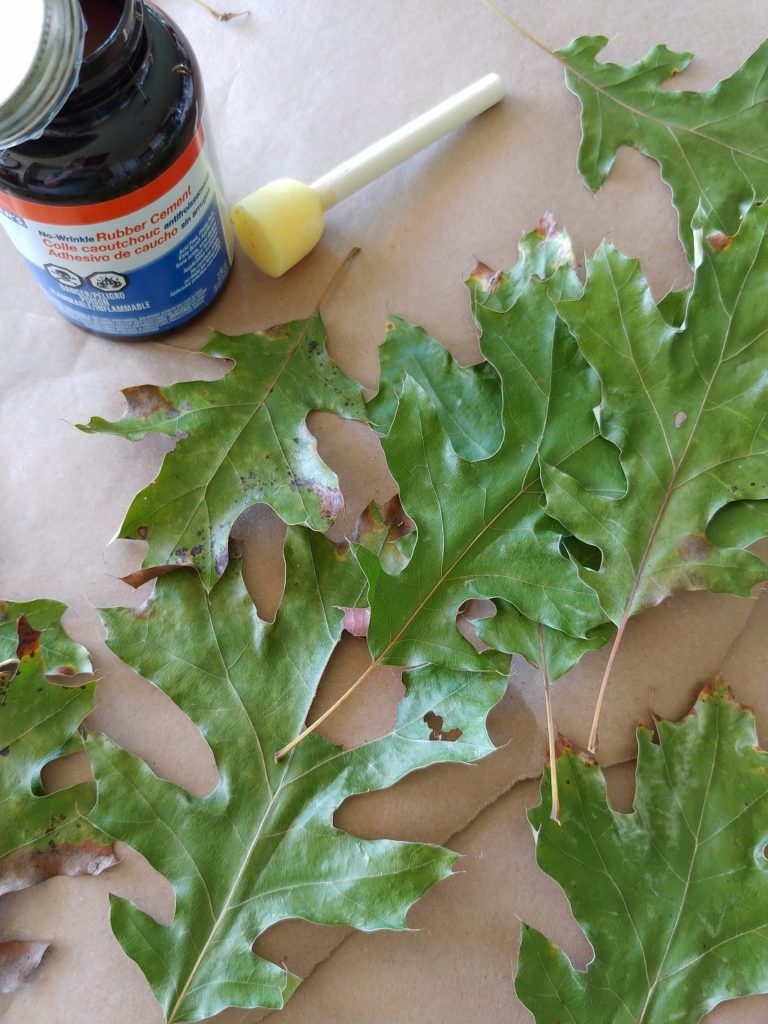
280 223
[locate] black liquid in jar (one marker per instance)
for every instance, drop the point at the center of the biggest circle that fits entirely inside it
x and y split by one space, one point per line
101 20
135 110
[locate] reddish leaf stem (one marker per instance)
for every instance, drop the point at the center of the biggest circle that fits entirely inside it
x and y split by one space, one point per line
592 744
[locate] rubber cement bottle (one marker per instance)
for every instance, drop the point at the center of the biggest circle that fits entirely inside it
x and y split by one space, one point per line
107 184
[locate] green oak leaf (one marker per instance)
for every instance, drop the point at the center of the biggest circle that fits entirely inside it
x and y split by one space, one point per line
60 656
712 146
686 408
467 399
242 439
43 835
673 897
262 847
482 531
508 630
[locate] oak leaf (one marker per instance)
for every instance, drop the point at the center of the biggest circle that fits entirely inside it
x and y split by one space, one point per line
481 528
711 145
467 399
241 440
43 835
685 406
262 847
673 897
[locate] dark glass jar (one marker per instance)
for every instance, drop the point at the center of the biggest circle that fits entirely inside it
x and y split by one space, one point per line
115 204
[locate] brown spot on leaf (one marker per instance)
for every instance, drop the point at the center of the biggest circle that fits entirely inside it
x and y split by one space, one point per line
435 724
142 532
718 688
564 746
279 332
65 670
147 400
719 240
28 867
390 515
390 325
356 621
18 961
399 523
29 639
547 226
483 275
695 548
341 551
680 418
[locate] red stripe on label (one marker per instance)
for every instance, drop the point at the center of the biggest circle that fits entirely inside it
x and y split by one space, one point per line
123 206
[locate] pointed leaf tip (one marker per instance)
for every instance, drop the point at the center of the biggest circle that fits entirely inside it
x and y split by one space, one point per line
484 276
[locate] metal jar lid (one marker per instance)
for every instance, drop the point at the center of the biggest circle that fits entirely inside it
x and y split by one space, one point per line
41 49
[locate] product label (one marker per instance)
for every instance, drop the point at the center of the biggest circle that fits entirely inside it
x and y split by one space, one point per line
140 264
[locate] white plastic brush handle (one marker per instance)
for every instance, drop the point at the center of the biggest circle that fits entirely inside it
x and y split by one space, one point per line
403 143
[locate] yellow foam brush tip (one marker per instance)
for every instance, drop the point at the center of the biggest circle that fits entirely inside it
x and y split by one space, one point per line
279 224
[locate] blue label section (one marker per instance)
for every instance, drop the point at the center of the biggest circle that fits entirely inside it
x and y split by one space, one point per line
156 297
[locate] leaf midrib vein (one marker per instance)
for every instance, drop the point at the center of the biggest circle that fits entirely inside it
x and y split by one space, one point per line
444 575
695 835
677 467
227 903
639 112
205 485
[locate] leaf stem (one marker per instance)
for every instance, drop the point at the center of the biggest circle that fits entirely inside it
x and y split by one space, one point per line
551 736
327 713
518 27
592 744
330 288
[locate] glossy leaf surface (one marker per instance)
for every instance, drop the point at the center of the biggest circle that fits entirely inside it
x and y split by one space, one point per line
510 631
467 399
686 408
482 531
711 146
262 846
242 439
672 897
